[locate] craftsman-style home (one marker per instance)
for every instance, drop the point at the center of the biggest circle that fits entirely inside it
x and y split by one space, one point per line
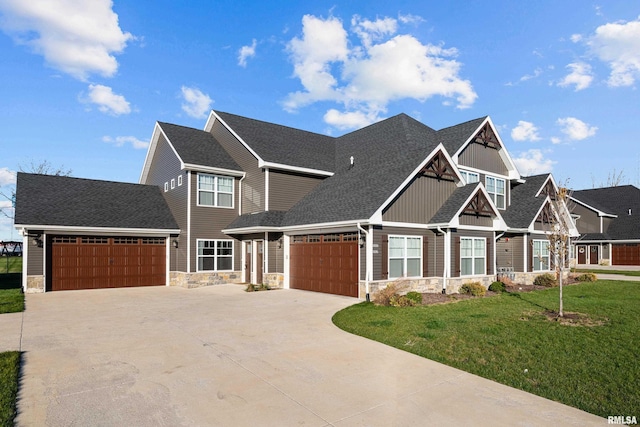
246 201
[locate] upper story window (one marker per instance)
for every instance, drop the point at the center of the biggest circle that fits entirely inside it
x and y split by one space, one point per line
214 190
473 256
541 260
497 190
470 177
405 256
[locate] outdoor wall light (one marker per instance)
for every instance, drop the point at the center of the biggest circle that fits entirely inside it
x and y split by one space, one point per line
174 243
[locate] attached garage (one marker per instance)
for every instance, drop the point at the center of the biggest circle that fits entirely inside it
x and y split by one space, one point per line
93 262
325 263
625 254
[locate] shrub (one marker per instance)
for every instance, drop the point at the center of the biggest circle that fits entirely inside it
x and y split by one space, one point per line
547 280
401 301
473 288
587 277
414 296
383 296
497 287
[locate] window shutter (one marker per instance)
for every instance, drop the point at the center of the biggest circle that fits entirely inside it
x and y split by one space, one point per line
425 257
530 248
456 261
487 254
384 255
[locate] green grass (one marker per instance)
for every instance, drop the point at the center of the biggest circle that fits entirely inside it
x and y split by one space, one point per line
594 368
12 264
598 271
9 377
11 296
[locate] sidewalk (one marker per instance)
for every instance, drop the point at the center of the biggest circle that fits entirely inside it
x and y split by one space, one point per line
11 331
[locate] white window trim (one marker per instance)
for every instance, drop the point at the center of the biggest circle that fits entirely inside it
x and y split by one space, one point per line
473 256
166 187
216 255
179 180
404 258
548 256
173 183
465 174
494 194
215 192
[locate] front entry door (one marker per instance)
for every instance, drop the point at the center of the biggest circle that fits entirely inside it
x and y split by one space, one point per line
582 254
248 261
259 261
593 254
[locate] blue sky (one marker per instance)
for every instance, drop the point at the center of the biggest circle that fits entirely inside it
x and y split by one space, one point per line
84 82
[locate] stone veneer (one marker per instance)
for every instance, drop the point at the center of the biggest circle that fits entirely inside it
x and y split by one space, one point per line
273 280
197 280
35 284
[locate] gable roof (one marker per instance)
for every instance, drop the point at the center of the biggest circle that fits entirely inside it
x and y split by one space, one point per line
47 200
525 205
615 201
197 147
454 137
385 155
283 145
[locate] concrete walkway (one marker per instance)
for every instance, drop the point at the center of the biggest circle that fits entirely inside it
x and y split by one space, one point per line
218 356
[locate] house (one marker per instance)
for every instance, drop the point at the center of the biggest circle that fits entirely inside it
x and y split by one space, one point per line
609 225
258 202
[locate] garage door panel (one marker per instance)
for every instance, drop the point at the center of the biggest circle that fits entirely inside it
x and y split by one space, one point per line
626 254
106 262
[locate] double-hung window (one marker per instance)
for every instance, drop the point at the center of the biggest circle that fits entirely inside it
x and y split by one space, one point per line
215 255
470 177
214 190
496 189
405 256
541 260
473 256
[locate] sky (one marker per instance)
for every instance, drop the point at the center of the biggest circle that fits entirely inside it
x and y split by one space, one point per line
83 83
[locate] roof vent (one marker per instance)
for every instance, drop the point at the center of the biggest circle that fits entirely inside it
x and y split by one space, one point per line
351 162
629 211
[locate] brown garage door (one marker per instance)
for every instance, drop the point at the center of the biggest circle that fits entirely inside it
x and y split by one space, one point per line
93 262
626 254
325 263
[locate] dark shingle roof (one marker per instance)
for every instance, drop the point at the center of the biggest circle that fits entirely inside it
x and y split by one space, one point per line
259 219
617 201
454 136
524 203
453 204
75 202
198 147
282 144
385 154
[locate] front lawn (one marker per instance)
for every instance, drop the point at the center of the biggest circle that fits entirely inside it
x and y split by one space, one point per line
633 273
510 339
9 376
10 264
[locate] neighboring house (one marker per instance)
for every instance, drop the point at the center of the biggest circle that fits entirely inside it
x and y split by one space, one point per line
258 202
608 220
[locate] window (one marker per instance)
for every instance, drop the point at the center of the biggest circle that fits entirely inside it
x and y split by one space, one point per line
496 189
166 187
541 255
179 180
215 190
470 177
405 256
215 255
473 255
173 183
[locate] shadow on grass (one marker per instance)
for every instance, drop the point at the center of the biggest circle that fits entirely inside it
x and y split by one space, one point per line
520 295
11 281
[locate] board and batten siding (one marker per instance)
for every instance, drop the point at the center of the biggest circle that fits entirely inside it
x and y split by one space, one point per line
254 181
434 250
287 188
455 249
208 221
420 201
478 156
275 263
165 166
476 221
510 252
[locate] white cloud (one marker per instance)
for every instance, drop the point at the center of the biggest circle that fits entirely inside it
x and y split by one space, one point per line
365 77
618 44
7 176
246 52
555 140
119 141
107 101
576 129
77 37
580 76
533 162
576 38
196 104
536 73
525 131
349 119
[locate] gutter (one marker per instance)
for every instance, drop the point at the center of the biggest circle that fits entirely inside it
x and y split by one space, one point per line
367 273
447 258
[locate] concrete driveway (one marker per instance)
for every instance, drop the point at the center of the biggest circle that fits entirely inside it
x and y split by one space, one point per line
219 356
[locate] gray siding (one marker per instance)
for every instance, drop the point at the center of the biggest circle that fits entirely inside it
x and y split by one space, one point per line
434 257
276 254
286 189
34 259
455 249
419 201
207 221
165 166
478 221
510 253
484 158
589 221
253 184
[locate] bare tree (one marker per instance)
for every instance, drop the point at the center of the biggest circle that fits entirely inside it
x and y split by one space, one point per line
614 179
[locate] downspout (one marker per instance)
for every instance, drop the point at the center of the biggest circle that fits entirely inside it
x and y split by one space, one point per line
244 175
447 260
495 253
366 257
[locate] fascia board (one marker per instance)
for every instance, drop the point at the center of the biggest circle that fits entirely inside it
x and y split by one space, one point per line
213 117
157 131
209 169
555 186
312 227
67 229
245 230
272 165
596 210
